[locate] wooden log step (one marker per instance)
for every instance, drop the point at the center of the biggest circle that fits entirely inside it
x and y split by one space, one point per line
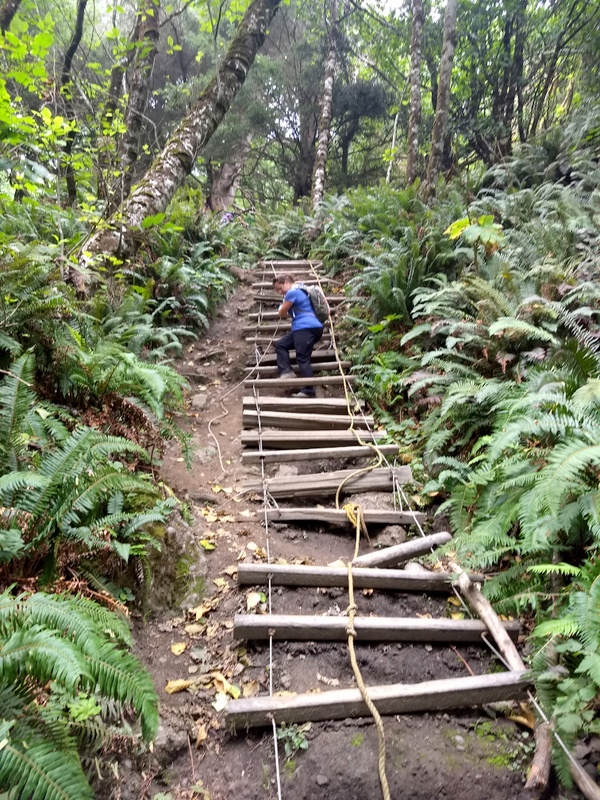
314 454
300 439
308 281
400 553
327 483
339 517
318 405
318 366
288 264
307 628
300 575
273 297
271 327
269 359
329 380
298 421
398 698
258 339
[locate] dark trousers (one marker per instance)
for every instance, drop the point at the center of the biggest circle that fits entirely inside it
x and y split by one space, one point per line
302 342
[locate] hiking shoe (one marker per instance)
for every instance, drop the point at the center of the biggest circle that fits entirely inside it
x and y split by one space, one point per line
287 376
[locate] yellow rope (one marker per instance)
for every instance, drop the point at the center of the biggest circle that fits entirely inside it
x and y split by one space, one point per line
355 513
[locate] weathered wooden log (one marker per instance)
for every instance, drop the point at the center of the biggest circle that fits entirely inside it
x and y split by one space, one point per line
291 439
399 698
483 608
399 553
317 405
314 454
270 370
270 359
302 628
273 297
327 483
339 517
308 281
279 383
539 771
298 421
288 264
270 340
301 575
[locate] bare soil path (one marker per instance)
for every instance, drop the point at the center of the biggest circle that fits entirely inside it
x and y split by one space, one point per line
469 754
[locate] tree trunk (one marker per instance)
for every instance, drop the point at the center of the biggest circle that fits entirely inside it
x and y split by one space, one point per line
145 49
443 94
65 81
414 121
516 78
225 179
318 183
7 11
154 193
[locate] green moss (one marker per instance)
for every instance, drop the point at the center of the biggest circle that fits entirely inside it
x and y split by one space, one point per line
357 740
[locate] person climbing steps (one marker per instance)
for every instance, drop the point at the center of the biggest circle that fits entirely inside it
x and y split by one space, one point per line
306 331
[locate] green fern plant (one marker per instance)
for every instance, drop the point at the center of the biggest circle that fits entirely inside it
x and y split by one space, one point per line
61 658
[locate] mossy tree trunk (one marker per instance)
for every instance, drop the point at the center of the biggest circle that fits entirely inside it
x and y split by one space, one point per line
443 94
156 190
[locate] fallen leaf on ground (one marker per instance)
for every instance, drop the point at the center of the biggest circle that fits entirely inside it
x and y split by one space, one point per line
254 599
179 685
212 630
201 736
367 592
246 513
222 584
252 546
207 544
227 518
178 648
206 606
232 570
216 488
194 629
328 681
454 601
338 563
423 616
250 689
220 701
457 615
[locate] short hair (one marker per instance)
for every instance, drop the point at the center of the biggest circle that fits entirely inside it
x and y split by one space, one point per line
279 280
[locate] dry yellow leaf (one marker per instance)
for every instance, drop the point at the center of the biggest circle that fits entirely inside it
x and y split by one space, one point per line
227 518
222 584
246 513
194 629
454 601
231 571
338 563
212 630
178 648
457 615
201 736
220 701
179 685
216 488
250 689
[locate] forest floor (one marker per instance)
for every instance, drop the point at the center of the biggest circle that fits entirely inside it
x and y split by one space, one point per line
447 755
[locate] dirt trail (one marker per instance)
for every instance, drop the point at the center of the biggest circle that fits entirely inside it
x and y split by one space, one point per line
451 756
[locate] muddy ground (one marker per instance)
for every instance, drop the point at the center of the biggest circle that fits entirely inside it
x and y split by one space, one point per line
471 754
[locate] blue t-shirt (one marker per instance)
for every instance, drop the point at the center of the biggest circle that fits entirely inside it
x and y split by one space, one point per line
301 311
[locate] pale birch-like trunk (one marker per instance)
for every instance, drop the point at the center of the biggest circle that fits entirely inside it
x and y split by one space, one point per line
156 190
443 94
414 120
318 182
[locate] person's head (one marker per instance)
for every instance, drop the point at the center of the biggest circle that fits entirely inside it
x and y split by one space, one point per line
283 283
